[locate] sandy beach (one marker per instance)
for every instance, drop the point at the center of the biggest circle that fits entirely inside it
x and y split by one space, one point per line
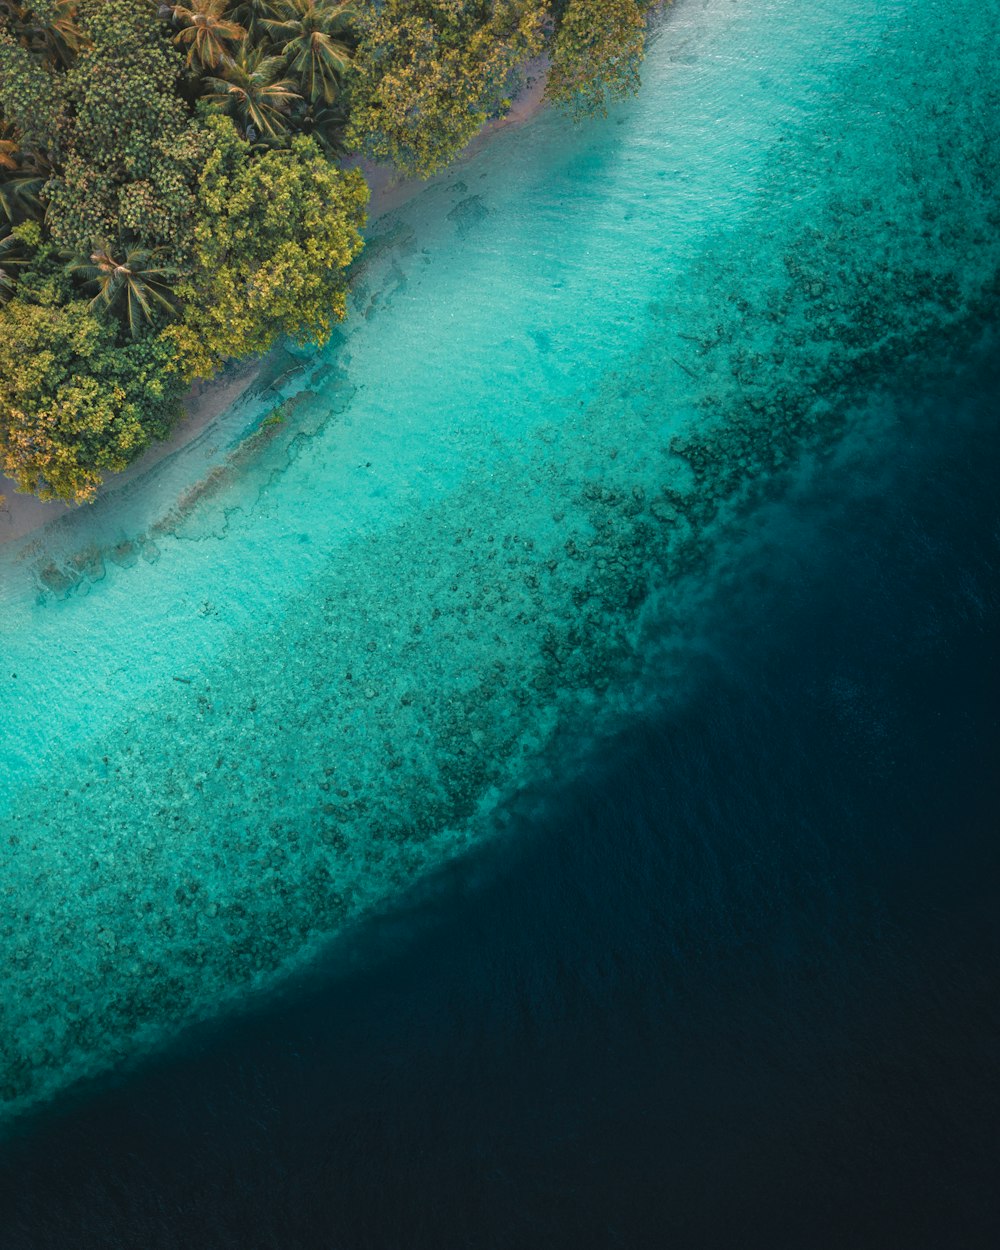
20 514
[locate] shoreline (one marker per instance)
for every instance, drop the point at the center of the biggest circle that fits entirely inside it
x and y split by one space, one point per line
22 514
260 725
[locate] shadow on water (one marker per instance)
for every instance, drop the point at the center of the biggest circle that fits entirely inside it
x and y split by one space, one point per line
734 986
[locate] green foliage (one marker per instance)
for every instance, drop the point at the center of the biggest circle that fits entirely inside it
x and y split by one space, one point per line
181 156
30 99
47 28
255 93
273 237
597 53
430 72
133 282
73 404
131 151
206 33
311 34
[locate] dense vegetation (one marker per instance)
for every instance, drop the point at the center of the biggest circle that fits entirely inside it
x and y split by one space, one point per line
171 194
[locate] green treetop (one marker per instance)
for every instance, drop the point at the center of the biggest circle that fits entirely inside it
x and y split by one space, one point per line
597 53
273 236
430 72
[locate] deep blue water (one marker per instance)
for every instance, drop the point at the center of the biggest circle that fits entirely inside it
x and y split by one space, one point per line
260 691
735 985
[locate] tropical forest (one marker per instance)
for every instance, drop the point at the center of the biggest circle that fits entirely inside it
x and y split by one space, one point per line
172 188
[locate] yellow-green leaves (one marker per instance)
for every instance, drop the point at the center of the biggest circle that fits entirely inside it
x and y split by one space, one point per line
597 53
273 237
127 143
428 74
73 405
205 222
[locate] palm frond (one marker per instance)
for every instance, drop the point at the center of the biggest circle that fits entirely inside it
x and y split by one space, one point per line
312 37
132 283
206 32
251 92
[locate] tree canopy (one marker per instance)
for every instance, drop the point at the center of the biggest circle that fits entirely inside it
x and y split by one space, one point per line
170 187
596 54
273 238
74 403
430 72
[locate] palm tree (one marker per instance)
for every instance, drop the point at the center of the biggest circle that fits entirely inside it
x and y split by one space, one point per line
206 32
7 280
253 14
12 253
20 197
51 32
307 31
9 150
133 284
22 177
326 123
252 93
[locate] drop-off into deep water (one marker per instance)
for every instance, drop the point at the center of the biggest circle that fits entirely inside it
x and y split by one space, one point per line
492 517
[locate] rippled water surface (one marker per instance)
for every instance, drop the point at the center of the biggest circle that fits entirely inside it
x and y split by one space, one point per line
574 472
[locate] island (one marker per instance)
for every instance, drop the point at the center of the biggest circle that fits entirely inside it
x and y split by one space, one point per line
173 194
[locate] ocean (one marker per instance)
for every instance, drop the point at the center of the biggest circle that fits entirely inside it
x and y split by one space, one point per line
545 794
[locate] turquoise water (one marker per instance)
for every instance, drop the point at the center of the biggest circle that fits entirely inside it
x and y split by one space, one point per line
483 533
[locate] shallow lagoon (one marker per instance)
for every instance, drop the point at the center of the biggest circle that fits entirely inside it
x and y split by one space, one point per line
484 531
